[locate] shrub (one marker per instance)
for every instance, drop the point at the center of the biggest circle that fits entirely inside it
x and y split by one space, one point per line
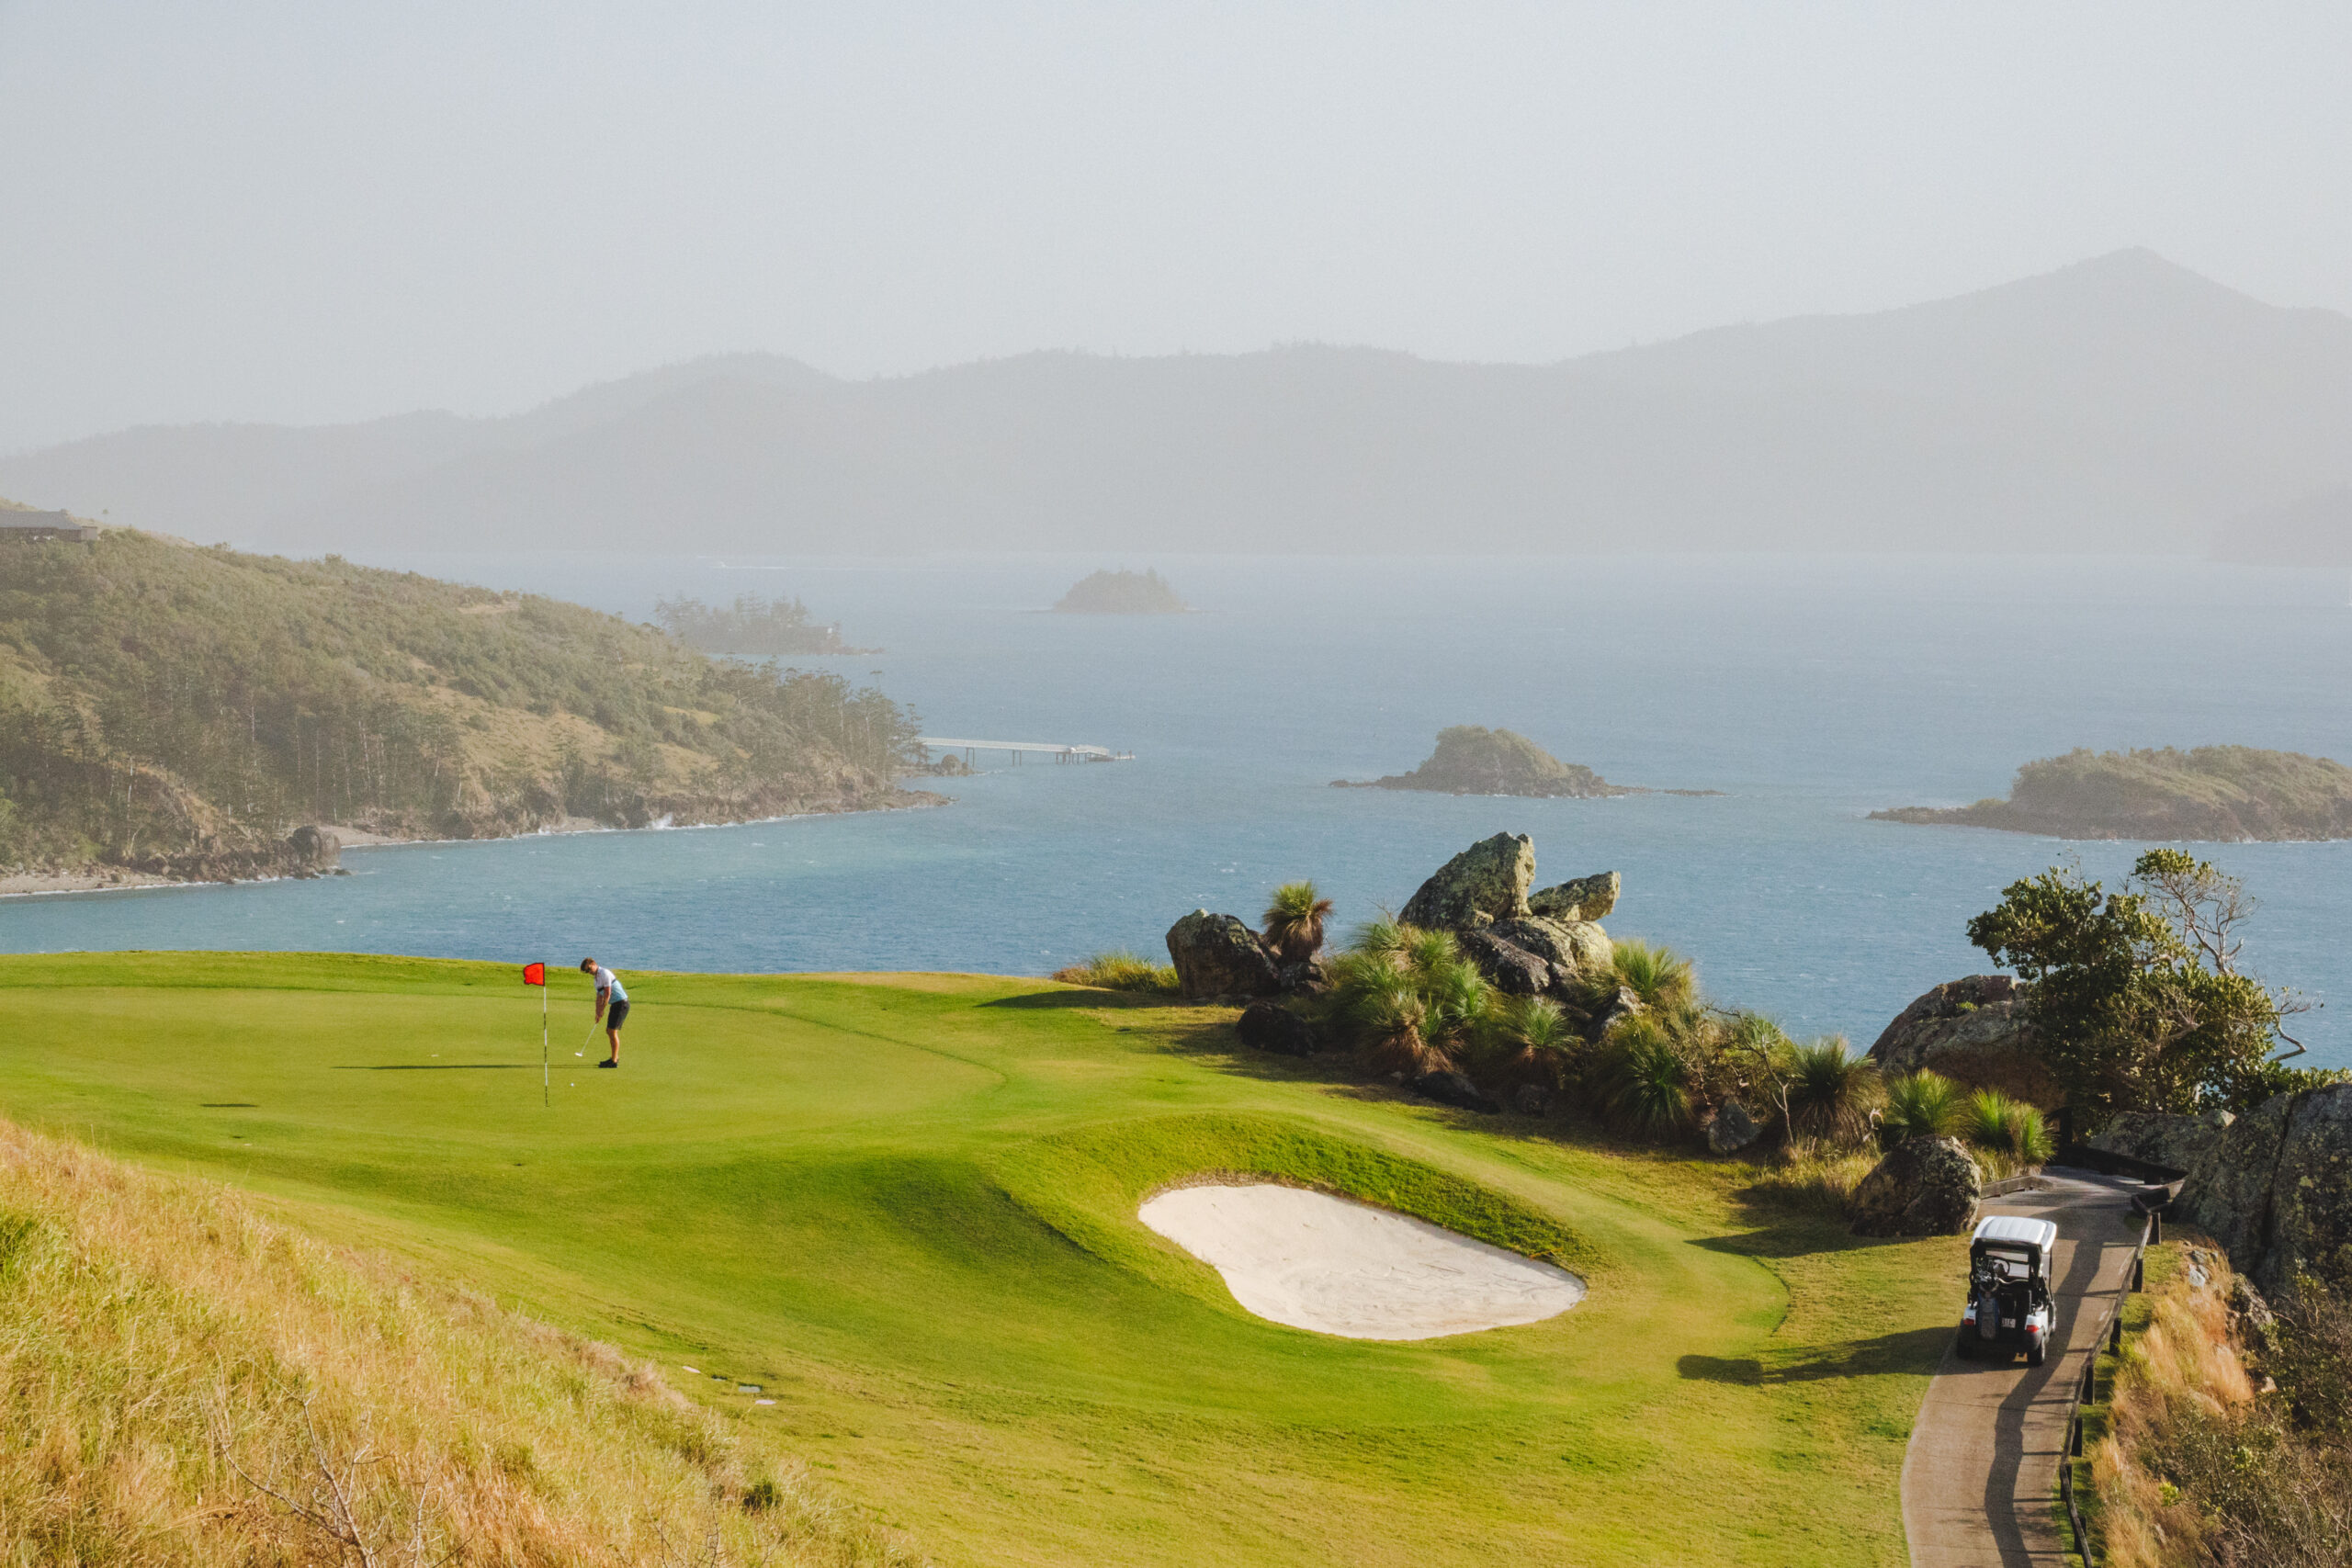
1646 1085
1407 998
1920 1104
1120 971
1830 1093
1658 975
2007 1128
1812 1177
1294 921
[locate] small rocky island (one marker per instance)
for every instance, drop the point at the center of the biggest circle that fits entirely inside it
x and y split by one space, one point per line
1473 759
2225 793
1122 594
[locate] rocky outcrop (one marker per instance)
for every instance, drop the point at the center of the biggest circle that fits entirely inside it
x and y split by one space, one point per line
315 851
1926 1186
1485 883
1623 1005
1978 1032
1218 955
1585 899
1509 968
2176 1142
1568 946
1473 759
1450 1088
1270 1026
2276 1189
1730 1129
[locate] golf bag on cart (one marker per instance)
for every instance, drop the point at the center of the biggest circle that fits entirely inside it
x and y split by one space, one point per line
2009 1307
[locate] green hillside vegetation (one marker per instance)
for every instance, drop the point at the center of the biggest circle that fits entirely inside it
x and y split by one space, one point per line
2223 794
1473 759
905 1207
1122 594
188 1381
177 709
751 628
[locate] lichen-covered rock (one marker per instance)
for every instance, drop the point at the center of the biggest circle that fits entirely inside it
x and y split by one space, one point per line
1509 968
1731 1128
1585 899
2276 1189
1270 1026
1305 977
1976 1031
1449 1087
1485 883
1570 947
2176 1142
1217 955
1624 1004
1926 1186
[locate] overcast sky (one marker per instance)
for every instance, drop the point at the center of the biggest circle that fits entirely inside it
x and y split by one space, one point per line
311 212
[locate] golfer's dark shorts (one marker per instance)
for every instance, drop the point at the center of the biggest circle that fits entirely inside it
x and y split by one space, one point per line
615 1015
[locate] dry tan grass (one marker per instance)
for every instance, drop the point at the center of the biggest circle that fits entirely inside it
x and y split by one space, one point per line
2184 1358
188 1382
1814 1176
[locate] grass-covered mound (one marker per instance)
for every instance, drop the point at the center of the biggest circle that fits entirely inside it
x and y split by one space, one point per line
1473 759
184 1381
1122 594
177 709
2225 794
905 1206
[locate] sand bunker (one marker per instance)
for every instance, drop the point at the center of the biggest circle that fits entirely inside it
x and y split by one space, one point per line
1339 1267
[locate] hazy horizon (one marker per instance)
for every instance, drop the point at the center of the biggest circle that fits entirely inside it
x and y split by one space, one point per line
263 212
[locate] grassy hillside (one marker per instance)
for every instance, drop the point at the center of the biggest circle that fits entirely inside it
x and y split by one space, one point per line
183 1381
2219 793
905 1206
179 710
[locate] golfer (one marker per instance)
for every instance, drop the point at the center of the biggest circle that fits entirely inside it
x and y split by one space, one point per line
612 1006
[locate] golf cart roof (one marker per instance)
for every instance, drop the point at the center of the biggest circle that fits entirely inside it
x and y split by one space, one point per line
2013 1230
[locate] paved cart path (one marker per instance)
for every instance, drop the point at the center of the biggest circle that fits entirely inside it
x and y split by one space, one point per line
1981 1475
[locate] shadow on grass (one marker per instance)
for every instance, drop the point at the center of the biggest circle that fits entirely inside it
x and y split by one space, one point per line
1913 1351
443 1068
1085 998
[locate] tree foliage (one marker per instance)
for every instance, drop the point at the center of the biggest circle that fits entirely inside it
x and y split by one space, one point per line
2137 996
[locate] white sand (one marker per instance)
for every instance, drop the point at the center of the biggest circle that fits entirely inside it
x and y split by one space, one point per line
1339 1267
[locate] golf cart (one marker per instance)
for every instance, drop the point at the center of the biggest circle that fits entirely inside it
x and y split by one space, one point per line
2009 1290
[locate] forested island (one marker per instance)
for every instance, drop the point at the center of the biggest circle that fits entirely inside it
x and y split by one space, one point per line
2217 792
751 628
1473 759
169 711
1122 594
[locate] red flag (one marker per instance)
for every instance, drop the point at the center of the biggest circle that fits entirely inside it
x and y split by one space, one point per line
535 974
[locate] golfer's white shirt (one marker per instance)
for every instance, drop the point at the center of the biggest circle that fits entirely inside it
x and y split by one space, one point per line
607 980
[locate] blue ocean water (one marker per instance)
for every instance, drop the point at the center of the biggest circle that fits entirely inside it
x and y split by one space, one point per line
1810 689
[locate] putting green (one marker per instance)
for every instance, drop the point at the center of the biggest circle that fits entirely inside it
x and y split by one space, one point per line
905 1206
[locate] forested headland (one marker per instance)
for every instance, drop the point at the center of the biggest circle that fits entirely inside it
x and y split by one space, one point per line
2221 793
176 711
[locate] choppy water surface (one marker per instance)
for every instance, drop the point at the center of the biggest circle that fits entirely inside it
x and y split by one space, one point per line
1810 689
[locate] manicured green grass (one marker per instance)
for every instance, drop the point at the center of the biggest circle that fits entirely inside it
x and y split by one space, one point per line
905 1205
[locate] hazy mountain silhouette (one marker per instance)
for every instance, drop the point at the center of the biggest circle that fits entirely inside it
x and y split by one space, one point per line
2124 403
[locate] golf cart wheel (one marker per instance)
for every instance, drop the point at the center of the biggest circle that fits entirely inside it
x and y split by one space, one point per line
2034 1354
1963 1346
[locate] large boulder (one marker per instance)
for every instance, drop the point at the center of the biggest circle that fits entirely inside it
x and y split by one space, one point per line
313 850
1570 947
1509 968
1976 1031
1270 1026
1485 883
1585 899
1731 1128
1926 1186
2276 1189
1217 955
2176 1142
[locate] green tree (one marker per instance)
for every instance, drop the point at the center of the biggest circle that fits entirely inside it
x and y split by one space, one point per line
2137 996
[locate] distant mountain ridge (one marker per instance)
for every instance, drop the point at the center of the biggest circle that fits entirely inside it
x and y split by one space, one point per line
2122 404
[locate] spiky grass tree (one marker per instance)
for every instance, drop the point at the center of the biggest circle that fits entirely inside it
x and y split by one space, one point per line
1831 1092
1406 998
1524 1040
1919 1105
2006 1127
1648 1086
1662 978
1295 918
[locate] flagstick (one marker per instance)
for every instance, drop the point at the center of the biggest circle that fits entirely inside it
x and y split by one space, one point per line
544 1102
